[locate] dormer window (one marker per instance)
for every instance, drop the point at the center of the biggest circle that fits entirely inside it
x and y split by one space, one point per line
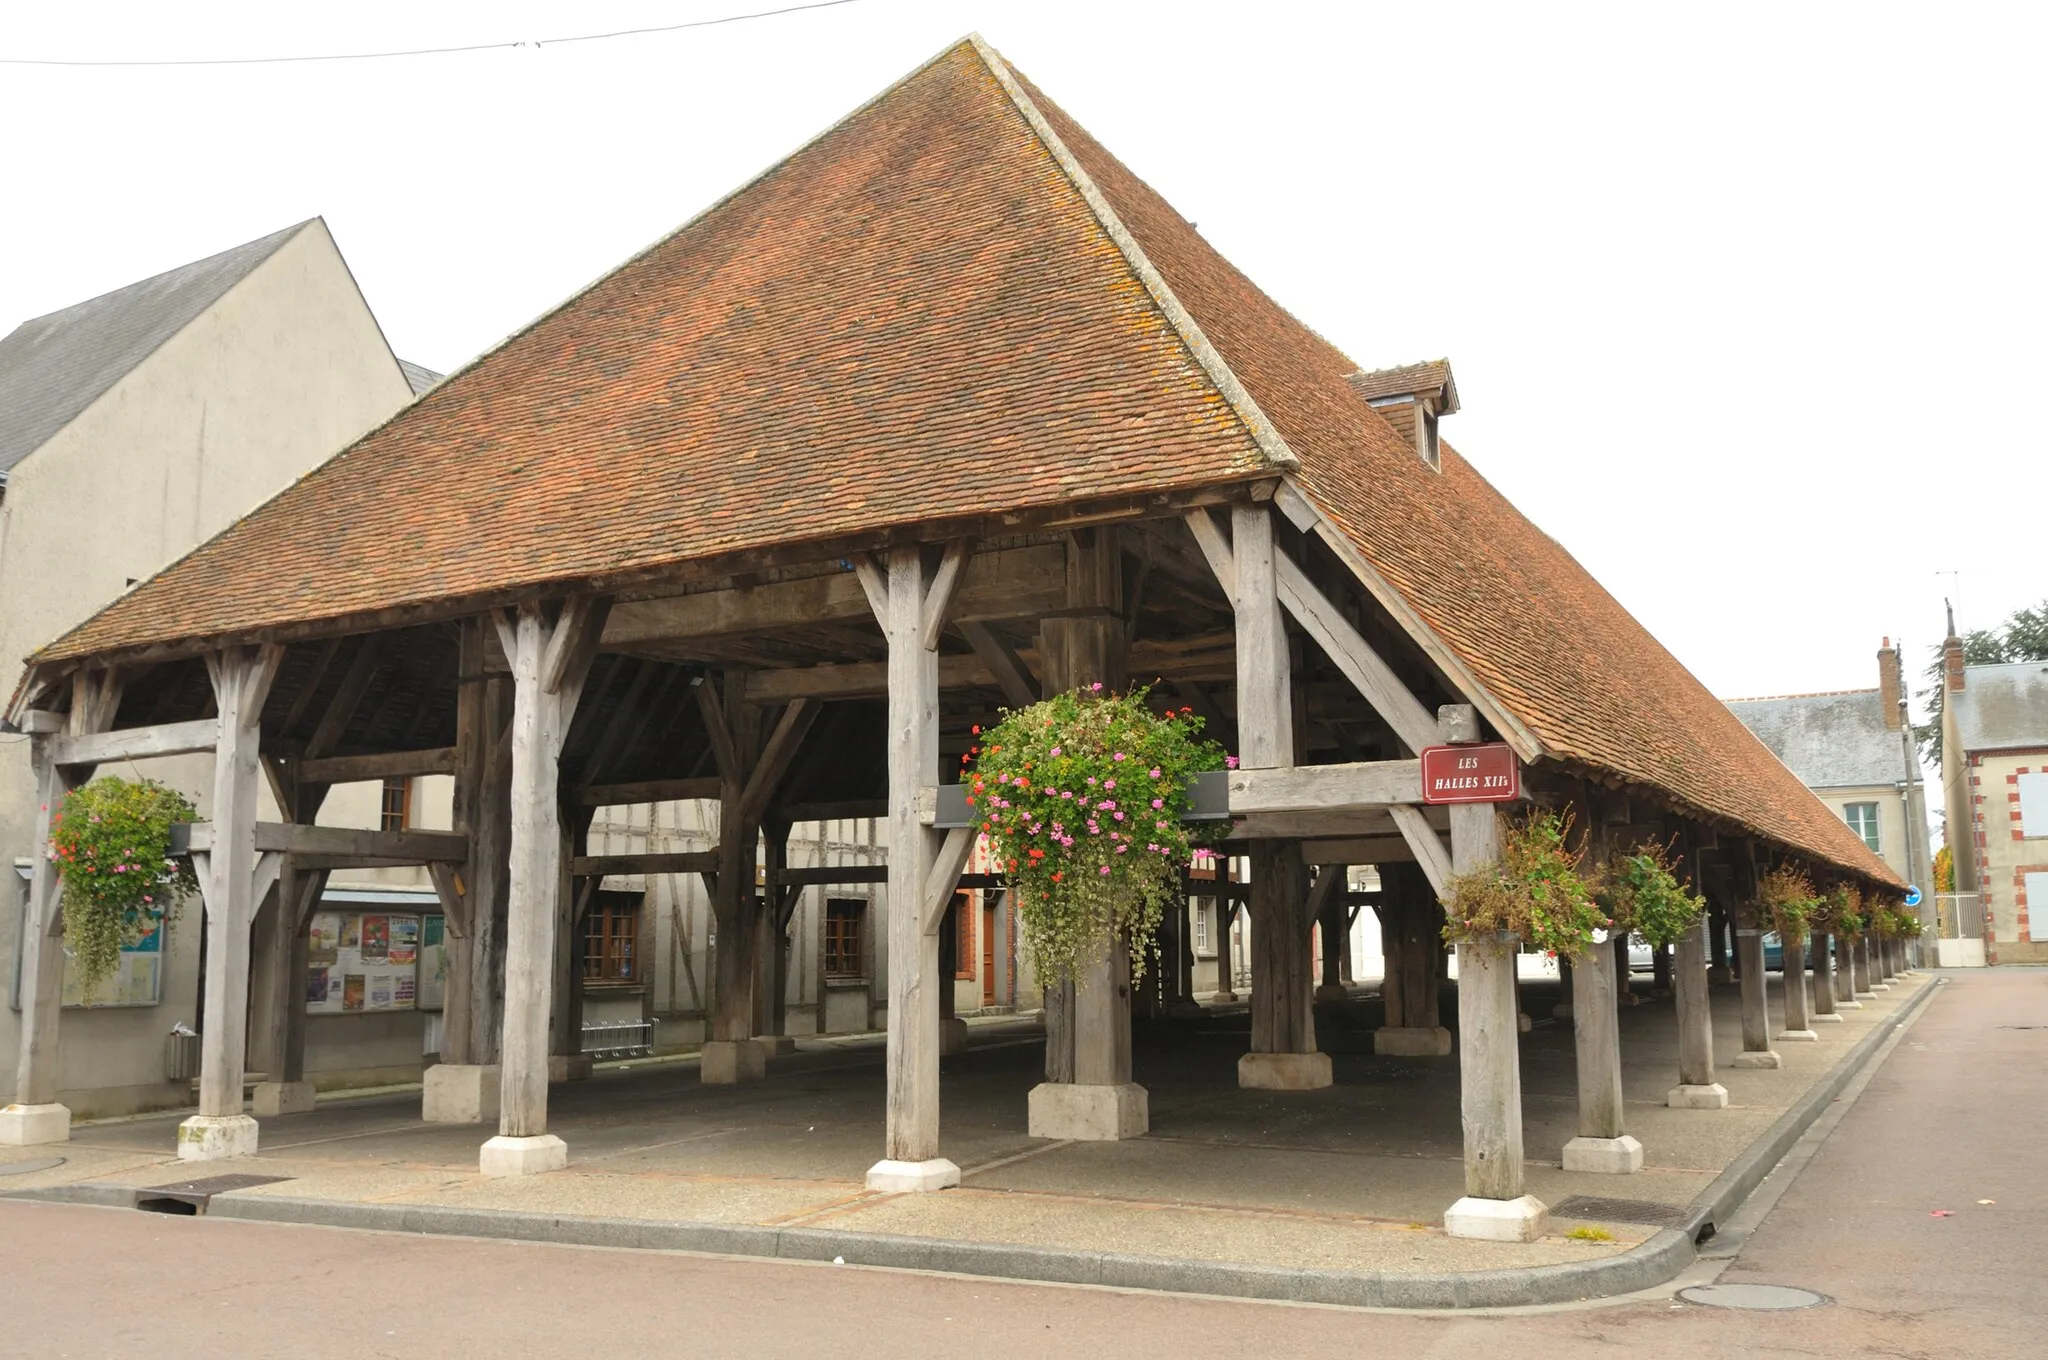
1412 399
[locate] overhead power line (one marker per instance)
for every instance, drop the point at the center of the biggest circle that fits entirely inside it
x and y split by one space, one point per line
436 51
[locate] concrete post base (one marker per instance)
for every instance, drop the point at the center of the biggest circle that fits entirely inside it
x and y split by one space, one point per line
1283 1071
1225 997
459 1093
505 1156
1399 1041
952 1035
727 1062
204 1138
1852 1005
1714 1097
1765 1059
1185 1010
1877 987
1088 1114
1497 1220
1861 997
1829 1019
1720 976
1331 994
1621 1156
570 1067
25 1125
1799 1036
281 1097
910 1178
1523 1023
1627 998
775 1045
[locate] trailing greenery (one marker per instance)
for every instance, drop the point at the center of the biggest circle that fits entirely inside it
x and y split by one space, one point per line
1641 895
1082 797
1892 919
1786 902
1841 911
1534 891
111 841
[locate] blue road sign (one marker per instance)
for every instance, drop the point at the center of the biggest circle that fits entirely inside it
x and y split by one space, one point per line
1912 897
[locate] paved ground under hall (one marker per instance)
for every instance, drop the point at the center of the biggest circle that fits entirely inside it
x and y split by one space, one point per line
1353 1178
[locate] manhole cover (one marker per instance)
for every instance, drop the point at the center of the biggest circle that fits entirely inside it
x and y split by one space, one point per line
1763 1297
1619 1210
23 1168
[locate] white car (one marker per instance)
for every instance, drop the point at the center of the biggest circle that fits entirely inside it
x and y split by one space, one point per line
1641 958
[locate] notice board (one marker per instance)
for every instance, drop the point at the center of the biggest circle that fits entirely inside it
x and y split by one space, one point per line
362 961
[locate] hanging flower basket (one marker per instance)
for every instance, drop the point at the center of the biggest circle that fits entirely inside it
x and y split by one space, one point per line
1841 911
1641 895
1785 902
1535 892
1082 798
111 842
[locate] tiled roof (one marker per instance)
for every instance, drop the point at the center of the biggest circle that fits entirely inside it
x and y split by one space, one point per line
919 316
55 366
1831 741
1408 380
2002 708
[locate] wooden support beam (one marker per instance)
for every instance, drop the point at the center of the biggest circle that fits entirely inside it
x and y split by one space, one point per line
294 838
873 585
645 791
381 765
1265 704
852 809
776 757
1018 684
135 743
653 862
1321 620
1216 549
944 877
723 749
1326 788
827 875
1428 850
938 596
355 682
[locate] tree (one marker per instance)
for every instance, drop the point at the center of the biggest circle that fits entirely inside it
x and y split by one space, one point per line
2023 636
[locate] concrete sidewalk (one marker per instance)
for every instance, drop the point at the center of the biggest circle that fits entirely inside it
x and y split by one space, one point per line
1350 1179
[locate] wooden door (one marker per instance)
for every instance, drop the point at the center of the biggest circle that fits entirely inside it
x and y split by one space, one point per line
988 954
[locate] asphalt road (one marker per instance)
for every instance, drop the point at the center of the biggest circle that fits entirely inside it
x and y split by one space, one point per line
1955 1116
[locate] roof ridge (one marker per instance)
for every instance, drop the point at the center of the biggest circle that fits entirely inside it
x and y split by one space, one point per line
1806 694
280 236
1212 363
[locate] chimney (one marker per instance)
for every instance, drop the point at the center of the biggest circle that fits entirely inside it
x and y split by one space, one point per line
1951 655
1890 684
1412 399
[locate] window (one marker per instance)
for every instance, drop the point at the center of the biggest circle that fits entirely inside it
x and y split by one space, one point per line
396 814
1863 821
963 937
611 939
844 918
1202 946
2034 804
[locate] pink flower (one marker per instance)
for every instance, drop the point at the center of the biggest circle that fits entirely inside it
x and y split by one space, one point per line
1055 750
1096 688
1155 772
1158 802
1230 761
1118 815
1120 756
1105 868
1109 783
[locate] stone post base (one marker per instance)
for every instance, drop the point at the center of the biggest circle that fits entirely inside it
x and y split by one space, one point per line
1089 1114
1720 976
24 1125
1186 1010
952 1035
1625 997
1398 1041
1497 1220
570 1067
215 1138
1331 994
1766 1059
1523 1023
1875 988
1621 1156
1283 1071
1852 1005
1225 997
1829 1019
775 1045
281 1097
504 1156
727 1062
1798 1036
910 1178
459 1093
1713 1097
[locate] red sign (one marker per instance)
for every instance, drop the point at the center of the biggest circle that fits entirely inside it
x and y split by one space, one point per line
1471 774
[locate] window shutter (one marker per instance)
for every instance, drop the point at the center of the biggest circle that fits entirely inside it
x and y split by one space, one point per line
2034 804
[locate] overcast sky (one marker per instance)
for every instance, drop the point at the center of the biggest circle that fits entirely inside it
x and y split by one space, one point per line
1745 302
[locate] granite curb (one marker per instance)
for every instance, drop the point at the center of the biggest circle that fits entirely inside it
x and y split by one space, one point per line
1649 1264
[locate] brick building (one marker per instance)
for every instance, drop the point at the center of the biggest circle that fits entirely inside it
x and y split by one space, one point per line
1994 776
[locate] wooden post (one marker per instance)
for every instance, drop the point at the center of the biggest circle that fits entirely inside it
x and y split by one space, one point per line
550 659
1333 923
1563 1009
1756 1015
1284 909
910 1156
241 681
35 1116
1495 1206
1845 974
1823 981
490 879
1603 1145
1265 701
1798 1021
1696 1089
1660 970
277 1010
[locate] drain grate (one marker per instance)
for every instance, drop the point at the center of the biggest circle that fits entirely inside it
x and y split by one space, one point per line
24 1168
190 1197
1768 1298
1620 1210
